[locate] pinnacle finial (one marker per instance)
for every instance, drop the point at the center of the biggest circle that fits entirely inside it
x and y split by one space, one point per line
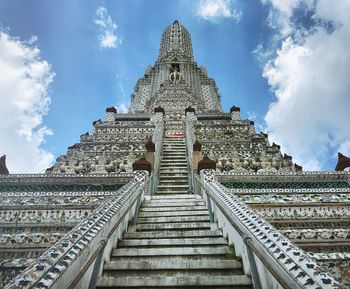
343 162
176 40
3 167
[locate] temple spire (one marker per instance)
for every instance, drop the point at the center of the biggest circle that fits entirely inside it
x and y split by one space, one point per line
176 40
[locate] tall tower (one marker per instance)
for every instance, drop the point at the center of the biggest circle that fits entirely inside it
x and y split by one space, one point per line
175 82
57 229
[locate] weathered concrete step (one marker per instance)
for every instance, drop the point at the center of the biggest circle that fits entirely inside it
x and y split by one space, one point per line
171 242
174 161
173 188
173 251
173 264
164 193
234 281
174 165
173 155
172 209
169 182
155 203
170 273
174 138
164 166
175 171
173 178
174 226
172 185
173 214
180 202
173 234
174 147
169 219
175 197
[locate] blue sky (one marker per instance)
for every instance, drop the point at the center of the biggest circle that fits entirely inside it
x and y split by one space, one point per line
272 58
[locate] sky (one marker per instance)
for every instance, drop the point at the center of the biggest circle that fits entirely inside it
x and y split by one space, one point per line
285 63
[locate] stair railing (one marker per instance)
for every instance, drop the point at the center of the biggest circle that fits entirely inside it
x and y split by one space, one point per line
73 260
190 138
271 259
157 139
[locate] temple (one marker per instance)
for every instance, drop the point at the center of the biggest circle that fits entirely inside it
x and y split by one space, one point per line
176 193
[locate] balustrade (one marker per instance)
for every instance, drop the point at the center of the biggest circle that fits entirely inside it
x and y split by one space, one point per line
271 259
74 259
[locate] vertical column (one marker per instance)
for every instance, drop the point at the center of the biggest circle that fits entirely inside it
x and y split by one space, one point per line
111 113
235 113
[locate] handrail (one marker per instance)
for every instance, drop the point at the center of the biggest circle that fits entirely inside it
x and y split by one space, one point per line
190 119
291 266
157 138
79 246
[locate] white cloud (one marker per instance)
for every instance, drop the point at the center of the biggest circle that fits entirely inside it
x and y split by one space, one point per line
310 78
122 107
24 95
281 12
213 10
107 37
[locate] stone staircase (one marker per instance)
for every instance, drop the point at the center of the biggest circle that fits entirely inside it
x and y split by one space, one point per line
173 244
173 176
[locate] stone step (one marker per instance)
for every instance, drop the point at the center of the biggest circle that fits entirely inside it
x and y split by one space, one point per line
172 234
175 226
178 281
182 170
180 182
175 149
176 263
183 182
174 139
174 213
173 209
173 272
174 164
168 175
173 157
171 242
169 219
177 200
172 188
173 251
175 197
181 204
173 160
164 193
174 154
167 143
176 167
